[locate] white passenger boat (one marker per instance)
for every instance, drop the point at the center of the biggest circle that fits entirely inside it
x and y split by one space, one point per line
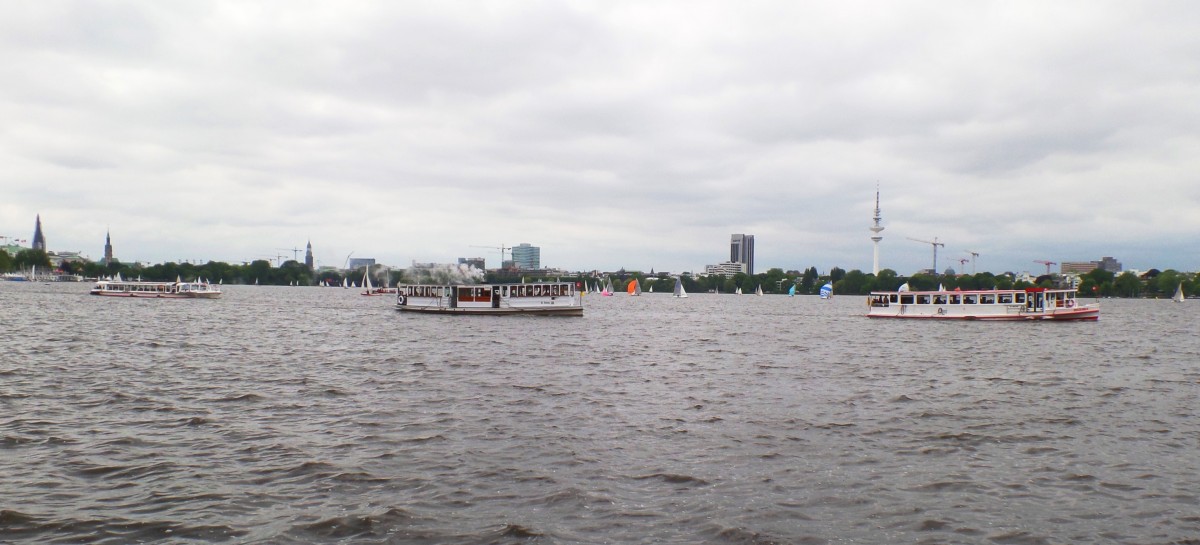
1026 304
546 298
154 290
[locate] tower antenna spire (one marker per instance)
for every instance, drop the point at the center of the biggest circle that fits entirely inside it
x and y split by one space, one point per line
876 229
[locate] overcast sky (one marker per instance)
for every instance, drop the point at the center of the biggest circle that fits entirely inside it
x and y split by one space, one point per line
611 134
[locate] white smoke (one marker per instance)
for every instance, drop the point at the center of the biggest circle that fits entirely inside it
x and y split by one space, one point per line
434 273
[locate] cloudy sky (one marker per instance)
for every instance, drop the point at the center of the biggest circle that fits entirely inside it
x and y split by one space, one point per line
611 134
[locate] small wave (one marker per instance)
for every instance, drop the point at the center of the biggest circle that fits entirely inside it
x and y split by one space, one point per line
242 397
929 525
750 537
350 526
673 478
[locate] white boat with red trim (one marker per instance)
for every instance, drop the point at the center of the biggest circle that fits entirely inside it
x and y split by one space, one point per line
156 290
543 298
1026 304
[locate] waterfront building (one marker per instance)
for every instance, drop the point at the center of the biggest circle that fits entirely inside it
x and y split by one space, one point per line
39 240
108 252
527 257
308 257
1083 267
728 268
1078 267
741 250
359 262
875 236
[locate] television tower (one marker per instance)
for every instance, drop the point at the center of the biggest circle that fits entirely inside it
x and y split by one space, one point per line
876 229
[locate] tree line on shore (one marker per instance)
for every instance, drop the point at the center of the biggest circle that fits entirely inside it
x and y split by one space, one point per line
1099 283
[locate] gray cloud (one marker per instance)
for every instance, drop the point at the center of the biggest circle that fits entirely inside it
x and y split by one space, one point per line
613 135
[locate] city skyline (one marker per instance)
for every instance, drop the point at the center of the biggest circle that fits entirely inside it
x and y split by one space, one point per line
415 132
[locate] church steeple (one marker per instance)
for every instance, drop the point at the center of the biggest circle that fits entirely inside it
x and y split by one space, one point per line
108 257
308 257
39 240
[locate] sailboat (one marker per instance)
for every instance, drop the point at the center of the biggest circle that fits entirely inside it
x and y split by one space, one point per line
739 290
1178 298
758 290
368 289
792 291
679 291
635 288
608 288
827 291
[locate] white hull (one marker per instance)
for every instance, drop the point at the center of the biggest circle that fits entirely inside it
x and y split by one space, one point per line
156 290
553 299
995 305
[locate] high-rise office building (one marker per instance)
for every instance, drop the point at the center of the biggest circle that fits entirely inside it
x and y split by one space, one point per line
741 250
527 257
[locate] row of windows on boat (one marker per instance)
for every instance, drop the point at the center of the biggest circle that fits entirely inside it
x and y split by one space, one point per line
955 299
153 288
485 292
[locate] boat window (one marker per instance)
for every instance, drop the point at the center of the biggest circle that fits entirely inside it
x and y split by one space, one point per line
939 299
1006 298
987 299
969 299
1020 297
955 299
906 299
894 298
922 299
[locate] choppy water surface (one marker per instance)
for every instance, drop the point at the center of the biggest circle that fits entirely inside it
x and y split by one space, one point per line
302 415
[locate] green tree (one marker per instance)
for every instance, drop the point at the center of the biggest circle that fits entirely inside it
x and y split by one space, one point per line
1127 285
6 262
32 258
853 283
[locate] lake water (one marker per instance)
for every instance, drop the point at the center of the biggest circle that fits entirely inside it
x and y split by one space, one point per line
316 415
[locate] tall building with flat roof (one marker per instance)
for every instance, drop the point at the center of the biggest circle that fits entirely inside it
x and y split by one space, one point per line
527 257
741 250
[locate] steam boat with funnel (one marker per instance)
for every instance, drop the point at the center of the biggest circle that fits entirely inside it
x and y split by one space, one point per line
156 290
1026 304
543 298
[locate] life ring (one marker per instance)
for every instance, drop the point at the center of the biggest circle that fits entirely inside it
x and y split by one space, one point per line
401 300
1070 303
941 311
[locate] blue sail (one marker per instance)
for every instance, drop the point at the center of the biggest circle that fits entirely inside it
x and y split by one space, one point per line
827 290
792 291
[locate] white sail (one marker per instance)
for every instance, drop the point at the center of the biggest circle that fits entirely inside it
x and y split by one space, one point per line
758 290
1178 298
827 290
739 290
679 291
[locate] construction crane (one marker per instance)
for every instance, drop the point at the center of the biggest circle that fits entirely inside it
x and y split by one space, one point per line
295 252
973 256
962 264
935 245
1046 263
502 249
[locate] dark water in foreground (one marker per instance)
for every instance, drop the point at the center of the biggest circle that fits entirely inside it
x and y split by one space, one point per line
308 415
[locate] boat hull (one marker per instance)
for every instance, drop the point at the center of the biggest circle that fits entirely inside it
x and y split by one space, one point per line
1029 304
1075 314
531 311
